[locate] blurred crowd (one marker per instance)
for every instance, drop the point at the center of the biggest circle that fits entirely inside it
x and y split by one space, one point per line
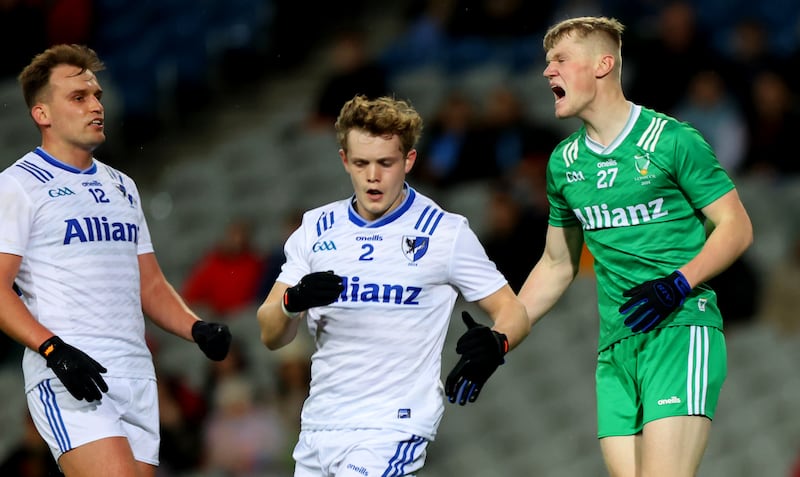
730 68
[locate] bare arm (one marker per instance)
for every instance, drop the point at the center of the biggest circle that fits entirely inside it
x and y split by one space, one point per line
732 235
553 273
508 315
161 303
277 329
15 319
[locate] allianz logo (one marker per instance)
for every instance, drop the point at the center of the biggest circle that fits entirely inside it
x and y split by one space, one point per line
356 290
601 217
672 400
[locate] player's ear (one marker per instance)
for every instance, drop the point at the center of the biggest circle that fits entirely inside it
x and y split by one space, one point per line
605 66
40 114
343 157
411 159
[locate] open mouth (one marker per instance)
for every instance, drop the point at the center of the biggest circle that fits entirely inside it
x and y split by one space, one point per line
559 92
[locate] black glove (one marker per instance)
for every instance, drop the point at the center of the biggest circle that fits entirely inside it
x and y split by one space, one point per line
482 350
654 300
78 372
314 289
214 339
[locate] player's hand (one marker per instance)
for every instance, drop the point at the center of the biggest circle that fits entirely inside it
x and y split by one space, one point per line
654 300
314 289
482 350
214 339
78 372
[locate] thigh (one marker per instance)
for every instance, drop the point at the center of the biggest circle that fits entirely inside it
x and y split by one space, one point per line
674 446
99 458
681 370
622 455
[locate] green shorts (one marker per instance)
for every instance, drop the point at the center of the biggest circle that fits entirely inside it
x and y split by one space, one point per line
672 371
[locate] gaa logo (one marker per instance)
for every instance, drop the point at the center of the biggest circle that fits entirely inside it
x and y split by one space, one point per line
60 192
323 246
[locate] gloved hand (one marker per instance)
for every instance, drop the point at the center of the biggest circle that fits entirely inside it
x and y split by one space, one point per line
482 350
654 300
214 339
76 370
314 289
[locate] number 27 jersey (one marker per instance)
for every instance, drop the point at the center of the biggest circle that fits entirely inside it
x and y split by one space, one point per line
638 202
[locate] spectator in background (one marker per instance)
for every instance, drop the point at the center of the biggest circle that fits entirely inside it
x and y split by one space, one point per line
448 145
20 19
779 302
30 457
509 137
773 124
678 43
747 54
353 71
244 436
226 278
515 236
275 256
708 107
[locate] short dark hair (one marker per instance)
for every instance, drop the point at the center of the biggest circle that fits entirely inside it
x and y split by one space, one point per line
36 76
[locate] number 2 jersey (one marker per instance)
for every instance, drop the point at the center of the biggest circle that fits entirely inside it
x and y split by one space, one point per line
79 234
638 202
377 357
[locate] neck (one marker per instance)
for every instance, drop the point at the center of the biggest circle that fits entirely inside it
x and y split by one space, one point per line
607 117
76 157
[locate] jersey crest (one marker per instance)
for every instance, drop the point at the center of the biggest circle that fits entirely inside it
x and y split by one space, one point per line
414 247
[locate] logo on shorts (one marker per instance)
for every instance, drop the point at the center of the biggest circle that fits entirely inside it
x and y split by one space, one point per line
404 413
701 304
359 469
672 400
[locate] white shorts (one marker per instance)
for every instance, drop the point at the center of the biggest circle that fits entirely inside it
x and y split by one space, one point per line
129 409
358 453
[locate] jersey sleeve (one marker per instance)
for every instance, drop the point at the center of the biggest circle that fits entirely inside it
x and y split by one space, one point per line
560 214
16 216
296 266
471 270
697 170
145 244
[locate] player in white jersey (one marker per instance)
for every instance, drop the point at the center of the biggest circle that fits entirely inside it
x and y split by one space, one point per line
376 276
77 271
637 187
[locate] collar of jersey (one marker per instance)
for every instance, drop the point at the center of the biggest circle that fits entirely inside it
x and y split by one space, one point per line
56 163
387 219
598 148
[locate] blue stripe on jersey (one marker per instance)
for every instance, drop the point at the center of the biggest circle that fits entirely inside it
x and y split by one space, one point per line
430 216
61 165
43 175
402 456
324 222
48 398
387 219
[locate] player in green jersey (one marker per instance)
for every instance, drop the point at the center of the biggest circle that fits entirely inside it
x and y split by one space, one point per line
642 190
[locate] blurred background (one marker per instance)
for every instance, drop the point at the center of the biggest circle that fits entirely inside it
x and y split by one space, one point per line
223 112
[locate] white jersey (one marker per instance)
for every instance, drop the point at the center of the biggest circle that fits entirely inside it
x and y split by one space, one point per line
377 358
79 234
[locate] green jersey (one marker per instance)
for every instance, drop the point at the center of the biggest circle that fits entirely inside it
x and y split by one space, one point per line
638 202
